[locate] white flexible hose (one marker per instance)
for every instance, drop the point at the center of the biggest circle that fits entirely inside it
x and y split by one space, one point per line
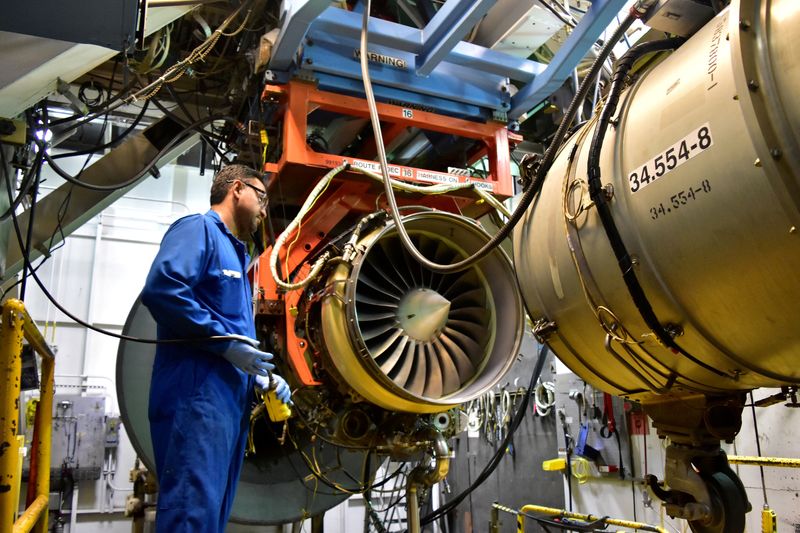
544 395
294 224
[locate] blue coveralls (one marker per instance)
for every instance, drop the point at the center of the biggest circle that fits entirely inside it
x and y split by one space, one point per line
199 416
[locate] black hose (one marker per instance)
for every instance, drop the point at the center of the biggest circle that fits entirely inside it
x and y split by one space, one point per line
24 187
32 273
501 449
624 259
29 233
32 209
150 164
112 142
206 135
549 156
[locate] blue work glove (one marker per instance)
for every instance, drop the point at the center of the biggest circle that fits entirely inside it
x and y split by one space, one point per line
248 358
282 390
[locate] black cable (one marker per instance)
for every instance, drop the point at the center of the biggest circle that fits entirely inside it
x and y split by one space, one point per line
24 187
62 209
557 14
387 479
32 210
758 447
7 176
207 135
150 164
90 101
501 449
547 160
619 450
32 273
113 142
178 101
624 260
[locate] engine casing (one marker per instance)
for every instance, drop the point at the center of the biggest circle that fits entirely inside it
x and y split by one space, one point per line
703 164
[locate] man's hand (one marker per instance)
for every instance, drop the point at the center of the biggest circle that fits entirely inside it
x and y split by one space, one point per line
282 390
248 359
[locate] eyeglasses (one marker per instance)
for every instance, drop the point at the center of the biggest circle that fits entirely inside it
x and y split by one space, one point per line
262 195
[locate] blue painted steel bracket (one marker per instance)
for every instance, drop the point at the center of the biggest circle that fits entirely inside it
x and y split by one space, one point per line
583 36
451 82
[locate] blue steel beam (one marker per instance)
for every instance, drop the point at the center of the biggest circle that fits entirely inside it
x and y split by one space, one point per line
453 82
580 41
394 96
346 25
296 17
446 29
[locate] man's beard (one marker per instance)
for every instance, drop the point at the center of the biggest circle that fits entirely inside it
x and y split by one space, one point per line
248 225
253 227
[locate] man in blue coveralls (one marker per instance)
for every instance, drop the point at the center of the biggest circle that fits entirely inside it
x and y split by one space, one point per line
200 392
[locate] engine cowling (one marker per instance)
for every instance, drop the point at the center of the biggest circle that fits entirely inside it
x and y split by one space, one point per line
703 172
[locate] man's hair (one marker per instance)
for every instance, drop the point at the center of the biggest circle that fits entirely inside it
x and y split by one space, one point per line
224 179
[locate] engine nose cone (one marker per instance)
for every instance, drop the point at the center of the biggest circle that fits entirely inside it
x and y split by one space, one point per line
423 313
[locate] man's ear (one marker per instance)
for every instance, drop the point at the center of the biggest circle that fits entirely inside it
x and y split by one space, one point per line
236 189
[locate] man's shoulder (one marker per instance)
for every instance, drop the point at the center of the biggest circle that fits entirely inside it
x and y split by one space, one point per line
187 229
193 222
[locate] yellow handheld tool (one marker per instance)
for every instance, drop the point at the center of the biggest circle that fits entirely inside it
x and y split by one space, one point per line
276 409
769 522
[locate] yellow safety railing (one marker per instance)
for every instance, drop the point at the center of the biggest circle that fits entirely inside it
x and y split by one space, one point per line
17 325
784 462
526 511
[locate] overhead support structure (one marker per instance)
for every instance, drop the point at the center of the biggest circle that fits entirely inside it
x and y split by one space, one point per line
583 36
345 27
324 42
298 158
450 24
296 16
118 166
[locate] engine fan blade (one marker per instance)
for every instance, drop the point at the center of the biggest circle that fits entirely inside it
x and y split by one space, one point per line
450 374
433 384
407 361
470 347
460 359
388 365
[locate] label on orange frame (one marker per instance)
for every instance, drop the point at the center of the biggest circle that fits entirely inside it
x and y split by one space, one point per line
397 171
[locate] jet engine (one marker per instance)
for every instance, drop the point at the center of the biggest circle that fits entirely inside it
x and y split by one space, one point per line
409 339
674 280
